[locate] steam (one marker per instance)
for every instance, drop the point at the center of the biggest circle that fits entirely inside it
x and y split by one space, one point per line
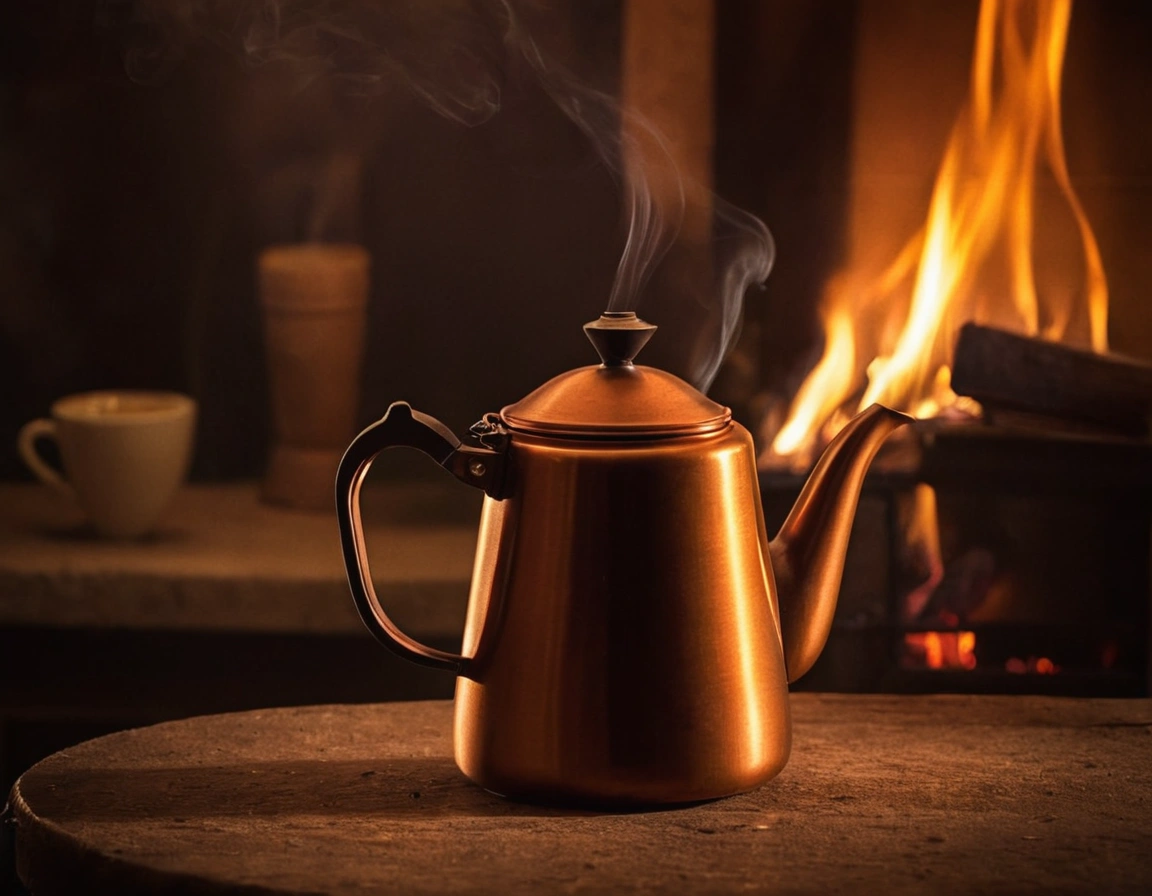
457 57
651 229
448 53
635 152
744 254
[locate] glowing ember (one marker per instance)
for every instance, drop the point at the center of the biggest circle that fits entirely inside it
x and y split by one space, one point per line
1032 666
940 650
892 341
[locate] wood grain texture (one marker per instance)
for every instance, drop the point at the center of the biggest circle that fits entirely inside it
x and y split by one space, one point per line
883 794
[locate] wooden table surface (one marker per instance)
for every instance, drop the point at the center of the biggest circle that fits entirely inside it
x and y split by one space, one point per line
883 794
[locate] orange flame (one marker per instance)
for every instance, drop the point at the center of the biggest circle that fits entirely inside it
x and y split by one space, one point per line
893 339
922 536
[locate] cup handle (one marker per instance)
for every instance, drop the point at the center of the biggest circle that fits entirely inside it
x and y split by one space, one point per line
41 428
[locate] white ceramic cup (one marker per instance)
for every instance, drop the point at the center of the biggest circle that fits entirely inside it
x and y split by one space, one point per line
125 454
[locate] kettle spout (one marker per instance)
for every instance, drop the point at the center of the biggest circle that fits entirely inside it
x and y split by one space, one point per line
808 552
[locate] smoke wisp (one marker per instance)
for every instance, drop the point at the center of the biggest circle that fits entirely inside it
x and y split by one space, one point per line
458 57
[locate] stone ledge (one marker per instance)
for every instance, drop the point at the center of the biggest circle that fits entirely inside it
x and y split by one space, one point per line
224 561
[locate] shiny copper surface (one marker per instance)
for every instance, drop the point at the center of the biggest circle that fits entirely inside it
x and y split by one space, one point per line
617 399
622 627
808 552
616 402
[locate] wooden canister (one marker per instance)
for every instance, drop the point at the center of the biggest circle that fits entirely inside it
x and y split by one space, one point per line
314 298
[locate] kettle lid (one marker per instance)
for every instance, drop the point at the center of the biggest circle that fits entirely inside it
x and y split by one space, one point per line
617 399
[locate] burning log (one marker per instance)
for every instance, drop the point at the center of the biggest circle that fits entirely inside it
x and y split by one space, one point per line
1053 382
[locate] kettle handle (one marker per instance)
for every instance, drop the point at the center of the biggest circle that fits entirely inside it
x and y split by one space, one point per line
401 427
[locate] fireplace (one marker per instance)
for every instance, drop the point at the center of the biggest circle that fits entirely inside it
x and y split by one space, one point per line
1002 548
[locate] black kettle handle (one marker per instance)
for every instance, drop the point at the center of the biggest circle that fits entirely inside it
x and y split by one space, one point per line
402 427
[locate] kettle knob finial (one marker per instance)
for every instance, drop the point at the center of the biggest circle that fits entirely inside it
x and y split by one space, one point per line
618 337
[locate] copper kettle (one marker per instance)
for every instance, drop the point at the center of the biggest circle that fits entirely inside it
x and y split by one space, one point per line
631 631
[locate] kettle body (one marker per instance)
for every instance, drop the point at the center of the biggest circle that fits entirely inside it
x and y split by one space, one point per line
622 628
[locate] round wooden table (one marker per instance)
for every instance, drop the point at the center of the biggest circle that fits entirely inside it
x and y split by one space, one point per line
883 794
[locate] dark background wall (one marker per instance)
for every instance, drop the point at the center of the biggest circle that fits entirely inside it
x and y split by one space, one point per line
134 210
132 207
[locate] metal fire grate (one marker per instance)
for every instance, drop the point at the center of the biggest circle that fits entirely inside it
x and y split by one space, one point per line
1046 583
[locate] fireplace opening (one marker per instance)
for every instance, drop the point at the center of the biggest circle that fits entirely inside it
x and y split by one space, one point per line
1007 548
1045 573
